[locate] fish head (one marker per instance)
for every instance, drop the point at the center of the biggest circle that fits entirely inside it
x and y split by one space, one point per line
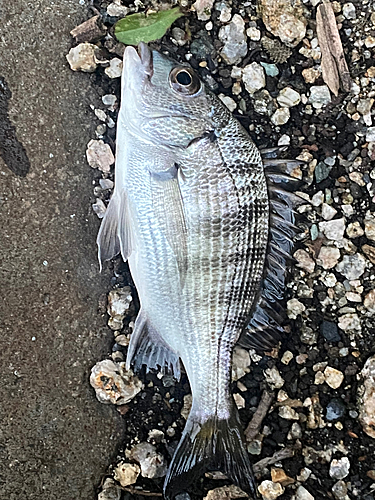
164 102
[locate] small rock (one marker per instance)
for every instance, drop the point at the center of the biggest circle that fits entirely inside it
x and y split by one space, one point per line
126 474
319 96
369 301
279 476
106 184
350 322
348 11
303 494
370 228
203 9
253 77
114 69
288 413
115 9
228 101
280 116
334 229
285 19
225 11
294 308
239 400
152 463
304 260
110 491
340 491
328 257
369 251
364 106
225 492
270 69
367 398
322 171
263 103
329 331
335 410
253 33
273 378
270 490
352 266
354 230
288 97
113 384
287 357
339 469
99 208
310 75
370 134
334 378
99 155
241 363
317 199
83 57
188 401
234 39
119 301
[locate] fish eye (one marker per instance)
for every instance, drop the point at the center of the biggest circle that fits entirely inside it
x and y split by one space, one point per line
184 81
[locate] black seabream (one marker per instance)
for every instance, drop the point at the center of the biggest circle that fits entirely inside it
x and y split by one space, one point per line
205 223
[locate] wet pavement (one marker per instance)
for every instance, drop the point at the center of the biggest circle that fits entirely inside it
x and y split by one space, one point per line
55 438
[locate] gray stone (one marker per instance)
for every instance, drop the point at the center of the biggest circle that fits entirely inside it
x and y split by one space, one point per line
234 39
294 308
340 491
263 103
334 229
319 96
339 468
322 171
348 10
253 77
152 463
288 97
114 69
329 331
303 494
328 257
352 266
203 9
280 116
335 410
369 301
110 491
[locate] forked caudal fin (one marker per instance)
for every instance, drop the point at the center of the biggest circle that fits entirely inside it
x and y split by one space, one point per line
213 444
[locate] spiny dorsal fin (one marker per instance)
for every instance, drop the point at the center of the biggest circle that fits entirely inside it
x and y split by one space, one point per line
264 329
146 347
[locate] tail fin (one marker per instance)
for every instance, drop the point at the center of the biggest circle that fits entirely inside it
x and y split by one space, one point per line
213 444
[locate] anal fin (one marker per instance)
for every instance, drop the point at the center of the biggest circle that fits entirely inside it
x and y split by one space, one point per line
146 347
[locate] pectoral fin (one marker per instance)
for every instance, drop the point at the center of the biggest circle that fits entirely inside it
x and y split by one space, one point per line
169 211
115 231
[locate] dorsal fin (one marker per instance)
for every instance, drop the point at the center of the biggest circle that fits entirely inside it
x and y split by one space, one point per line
265 329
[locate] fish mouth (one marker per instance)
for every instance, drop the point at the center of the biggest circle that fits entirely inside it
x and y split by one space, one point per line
138 61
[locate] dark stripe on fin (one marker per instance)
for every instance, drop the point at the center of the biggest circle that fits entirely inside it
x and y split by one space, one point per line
214 444
264 329
146 347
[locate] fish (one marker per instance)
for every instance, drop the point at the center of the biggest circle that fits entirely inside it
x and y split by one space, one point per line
206 222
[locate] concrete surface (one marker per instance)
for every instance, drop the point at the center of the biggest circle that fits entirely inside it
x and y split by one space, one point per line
56 440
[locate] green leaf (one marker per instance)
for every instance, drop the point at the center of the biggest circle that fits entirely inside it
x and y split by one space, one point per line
141 28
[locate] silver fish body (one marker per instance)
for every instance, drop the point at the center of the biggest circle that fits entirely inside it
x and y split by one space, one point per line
190 213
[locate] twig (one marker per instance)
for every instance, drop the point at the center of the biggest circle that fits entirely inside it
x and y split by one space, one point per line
134 491
276 457
254 426
334 67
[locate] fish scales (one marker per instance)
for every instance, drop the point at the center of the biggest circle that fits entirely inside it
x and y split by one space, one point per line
190 212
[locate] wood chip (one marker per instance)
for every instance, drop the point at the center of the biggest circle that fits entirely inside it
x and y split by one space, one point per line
254 426
334 68
91 30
